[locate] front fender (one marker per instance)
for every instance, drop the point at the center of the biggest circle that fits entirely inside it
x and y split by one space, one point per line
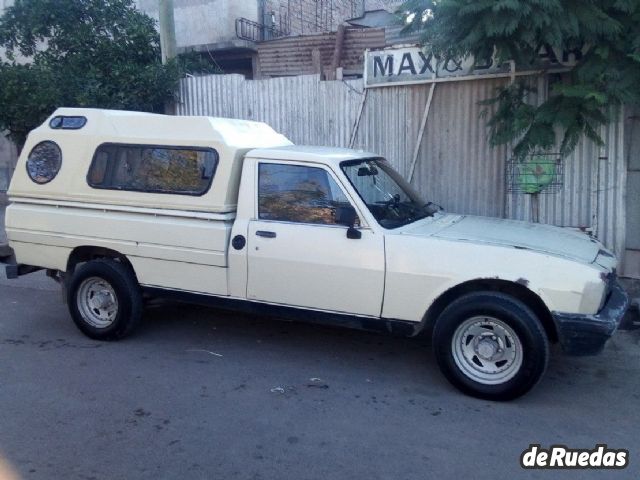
420 270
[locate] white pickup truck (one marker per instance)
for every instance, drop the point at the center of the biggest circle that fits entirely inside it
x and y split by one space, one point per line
121 206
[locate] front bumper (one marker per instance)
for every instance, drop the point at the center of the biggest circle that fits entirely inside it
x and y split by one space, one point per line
587 334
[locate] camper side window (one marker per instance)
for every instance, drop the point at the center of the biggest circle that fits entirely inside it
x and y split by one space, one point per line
155 169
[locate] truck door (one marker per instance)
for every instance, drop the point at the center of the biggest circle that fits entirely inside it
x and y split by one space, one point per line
299 255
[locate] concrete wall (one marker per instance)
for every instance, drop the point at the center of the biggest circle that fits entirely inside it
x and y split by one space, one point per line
202 22
8 159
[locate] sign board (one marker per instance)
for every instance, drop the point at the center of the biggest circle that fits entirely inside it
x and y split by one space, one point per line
411 65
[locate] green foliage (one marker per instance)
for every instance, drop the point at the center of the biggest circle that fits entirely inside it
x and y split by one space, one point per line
78 53
607 76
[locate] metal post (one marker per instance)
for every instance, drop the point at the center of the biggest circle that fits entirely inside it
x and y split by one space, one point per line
425 116
356 125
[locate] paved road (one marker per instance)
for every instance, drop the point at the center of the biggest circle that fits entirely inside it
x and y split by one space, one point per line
199 393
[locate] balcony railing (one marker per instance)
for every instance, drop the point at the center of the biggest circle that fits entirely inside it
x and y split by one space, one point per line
256 32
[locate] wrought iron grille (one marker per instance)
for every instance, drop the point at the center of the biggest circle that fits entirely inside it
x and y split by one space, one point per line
538 173
256 32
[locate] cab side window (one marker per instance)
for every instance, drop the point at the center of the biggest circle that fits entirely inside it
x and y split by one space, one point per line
295 193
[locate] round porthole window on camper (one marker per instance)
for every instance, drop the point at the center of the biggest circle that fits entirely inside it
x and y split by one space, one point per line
44 162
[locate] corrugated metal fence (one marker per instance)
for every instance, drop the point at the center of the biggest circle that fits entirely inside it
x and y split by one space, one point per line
456 167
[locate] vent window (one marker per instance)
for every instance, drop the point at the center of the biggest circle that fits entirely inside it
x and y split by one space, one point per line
67 123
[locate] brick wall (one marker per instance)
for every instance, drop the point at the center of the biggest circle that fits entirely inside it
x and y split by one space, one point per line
309 16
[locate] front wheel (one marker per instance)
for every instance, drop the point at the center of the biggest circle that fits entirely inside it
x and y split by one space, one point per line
491 345
104 299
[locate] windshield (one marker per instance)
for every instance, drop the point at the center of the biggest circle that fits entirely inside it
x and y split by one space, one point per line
388 196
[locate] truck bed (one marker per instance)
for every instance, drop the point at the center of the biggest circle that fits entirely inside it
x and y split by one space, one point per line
169 249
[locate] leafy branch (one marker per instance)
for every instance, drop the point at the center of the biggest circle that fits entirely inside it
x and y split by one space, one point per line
78 53
602 35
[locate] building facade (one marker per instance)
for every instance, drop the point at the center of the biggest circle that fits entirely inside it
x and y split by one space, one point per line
212 22
226 31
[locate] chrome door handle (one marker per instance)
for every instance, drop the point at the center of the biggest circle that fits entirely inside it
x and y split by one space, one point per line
265 234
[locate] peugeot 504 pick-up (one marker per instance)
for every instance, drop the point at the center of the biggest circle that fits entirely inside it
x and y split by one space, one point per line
122 206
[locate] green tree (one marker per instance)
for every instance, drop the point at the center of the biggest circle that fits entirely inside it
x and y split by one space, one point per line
605 76
78 53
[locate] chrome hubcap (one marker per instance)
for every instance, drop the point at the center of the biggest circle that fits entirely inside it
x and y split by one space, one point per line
97 302
487 350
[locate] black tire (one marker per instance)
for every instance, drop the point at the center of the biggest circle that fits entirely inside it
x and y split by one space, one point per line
508 310
127 292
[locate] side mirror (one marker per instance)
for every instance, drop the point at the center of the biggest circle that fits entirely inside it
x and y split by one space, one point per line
346 215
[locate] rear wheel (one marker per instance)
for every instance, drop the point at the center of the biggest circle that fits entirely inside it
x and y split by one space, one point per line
104 299
491 345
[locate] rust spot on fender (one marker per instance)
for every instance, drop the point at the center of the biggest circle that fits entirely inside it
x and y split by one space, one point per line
523 281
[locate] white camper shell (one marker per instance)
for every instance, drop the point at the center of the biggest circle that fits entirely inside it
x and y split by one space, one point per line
230 139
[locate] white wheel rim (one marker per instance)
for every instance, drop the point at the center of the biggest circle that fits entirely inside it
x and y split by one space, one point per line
97 302
487 350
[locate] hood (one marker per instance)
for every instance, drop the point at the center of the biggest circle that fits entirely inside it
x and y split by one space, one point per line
511 233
